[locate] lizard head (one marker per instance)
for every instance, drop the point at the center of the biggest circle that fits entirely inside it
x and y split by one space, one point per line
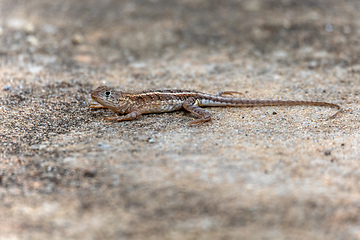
110 98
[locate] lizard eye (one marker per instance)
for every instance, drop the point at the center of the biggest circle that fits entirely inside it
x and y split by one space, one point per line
107 93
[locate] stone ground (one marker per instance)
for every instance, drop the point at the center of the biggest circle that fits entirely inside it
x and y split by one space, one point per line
250 173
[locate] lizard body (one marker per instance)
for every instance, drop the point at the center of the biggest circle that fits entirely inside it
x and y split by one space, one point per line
134 104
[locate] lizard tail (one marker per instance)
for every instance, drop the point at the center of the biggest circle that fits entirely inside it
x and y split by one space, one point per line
238 102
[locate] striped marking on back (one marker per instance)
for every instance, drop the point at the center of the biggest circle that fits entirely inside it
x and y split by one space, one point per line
212 103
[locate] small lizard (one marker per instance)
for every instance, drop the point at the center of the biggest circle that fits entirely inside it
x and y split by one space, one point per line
134 104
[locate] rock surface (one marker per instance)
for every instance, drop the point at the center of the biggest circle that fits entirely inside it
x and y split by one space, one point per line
250 173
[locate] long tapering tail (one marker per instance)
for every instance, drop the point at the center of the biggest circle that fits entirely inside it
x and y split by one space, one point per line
239 102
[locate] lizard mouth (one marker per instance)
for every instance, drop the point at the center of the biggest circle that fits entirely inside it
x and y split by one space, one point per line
93 95
98 99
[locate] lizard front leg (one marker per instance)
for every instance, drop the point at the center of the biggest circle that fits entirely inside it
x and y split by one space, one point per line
192 105
96 106
127 117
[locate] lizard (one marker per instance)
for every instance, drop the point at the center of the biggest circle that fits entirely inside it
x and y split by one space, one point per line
134 104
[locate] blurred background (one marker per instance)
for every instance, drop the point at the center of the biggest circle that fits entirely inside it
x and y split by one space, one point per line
314 33
270 173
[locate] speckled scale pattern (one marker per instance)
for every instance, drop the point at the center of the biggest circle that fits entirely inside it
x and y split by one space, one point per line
133 104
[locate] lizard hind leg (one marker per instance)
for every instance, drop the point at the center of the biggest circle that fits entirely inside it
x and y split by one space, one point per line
191 105
220 94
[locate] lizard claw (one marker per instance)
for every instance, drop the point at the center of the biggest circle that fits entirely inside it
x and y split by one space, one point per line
111 118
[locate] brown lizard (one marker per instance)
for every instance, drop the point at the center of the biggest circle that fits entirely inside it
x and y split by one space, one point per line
134 104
